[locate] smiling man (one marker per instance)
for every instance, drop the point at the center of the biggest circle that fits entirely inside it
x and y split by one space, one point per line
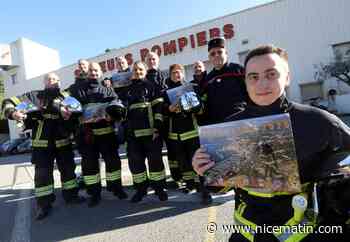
225 88
318 135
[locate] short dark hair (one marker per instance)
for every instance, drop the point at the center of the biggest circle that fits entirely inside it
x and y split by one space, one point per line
264 50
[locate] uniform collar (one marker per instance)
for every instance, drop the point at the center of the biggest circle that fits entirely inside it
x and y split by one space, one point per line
281 105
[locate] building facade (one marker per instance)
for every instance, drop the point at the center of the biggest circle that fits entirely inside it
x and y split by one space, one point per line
312 31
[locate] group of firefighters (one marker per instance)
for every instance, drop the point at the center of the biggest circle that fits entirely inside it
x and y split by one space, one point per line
151 120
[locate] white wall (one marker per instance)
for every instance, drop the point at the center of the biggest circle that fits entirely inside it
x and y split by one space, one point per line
307 29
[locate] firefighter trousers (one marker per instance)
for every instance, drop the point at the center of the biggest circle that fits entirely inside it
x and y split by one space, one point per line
138 150
184 151
107 146
43 160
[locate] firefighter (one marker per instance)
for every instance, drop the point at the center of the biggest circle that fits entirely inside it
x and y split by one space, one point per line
81 74
183 133
123 67
200 79
174 167
199 76
154 74
225 90
97 138
317 135
50 141
144 120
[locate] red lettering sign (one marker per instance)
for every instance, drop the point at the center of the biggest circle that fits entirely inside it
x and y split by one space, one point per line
143 53
129 59
214 33
157 49
229 31
182 42
201 38
169 47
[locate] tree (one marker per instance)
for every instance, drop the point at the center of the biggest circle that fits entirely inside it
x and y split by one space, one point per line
338 68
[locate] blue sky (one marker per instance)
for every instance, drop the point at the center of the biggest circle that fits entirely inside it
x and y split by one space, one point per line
83 29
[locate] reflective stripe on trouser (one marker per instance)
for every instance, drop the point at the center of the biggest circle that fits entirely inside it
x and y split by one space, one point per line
143 132
157 176
40 143
70 184
173 164
283 237
113 176
62 142
139 177
102 131
188 175
44 190
92 179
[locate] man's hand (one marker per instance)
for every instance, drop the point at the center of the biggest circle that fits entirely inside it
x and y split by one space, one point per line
65 113
174 108
201 161
18 116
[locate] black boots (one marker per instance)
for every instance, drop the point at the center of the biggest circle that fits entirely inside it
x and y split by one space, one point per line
76 200
120 193
43 212
162 194
94 201
138 196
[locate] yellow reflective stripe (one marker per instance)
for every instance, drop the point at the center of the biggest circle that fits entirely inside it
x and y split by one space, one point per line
40 143
113 176
156 101
242 221
62 142
139 177
150 117
157 176
172 136
225 189
39 130
143 132
15 100
204 97
265 195
44 191
139 105
295 237
70 184
189 135
189 175
50 116
102 131
92 179
173 163
64 93
9 105
158 116
283 237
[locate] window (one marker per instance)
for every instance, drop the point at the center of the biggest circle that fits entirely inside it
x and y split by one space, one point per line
342 50
311 90
14 79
